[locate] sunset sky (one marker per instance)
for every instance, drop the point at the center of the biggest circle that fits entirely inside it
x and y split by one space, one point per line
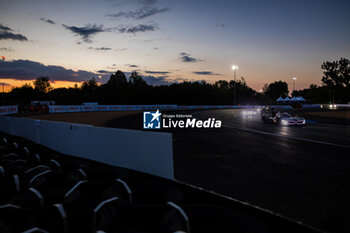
171 41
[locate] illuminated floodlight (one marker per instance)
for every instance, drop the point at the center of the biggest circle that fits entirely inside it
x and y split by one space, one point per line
294 78
234 67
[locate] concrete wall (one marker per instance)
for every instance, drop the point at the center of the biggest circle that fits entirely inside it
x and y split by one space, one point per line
149 152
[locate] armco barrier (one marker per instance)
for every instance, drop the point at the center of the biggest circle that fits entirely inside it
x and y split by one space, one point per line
149 152
5 110
312 106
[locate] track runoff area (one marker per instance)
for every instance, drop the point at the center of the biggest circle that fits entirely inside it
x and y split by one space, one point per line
249 121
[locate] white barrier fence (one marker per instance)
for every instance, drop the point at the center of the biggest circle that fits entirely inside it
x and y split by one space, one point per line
149 152
91 108
6 110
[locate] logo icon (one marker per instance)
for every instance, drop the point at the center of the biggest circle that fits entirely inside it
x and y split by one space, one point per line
151 120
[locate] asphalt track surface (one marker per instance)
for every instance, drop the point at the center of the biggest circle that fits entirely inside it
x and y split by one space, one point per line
302 172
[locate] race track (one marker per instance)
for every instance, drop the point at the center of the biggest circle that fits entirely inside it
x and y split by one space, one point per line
313 132
300 172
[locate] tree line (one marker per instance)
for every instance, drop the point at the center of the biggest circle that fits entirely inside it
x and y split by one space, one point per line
134 90
335 86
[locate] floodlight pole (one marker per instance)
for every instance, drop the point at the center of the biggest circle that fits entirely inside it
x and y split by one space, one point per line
293 85
234 67
294 78
234 87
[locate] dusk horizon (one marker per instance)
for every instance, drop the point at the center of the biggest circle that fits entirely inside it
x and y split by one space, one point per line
169 42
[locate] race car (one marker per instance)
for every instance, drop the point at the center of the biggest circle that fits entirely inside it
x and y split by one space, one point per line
284 118
268 114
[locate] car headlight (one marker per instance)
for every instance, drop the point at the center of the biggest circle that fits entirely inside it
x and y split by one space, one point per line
284 122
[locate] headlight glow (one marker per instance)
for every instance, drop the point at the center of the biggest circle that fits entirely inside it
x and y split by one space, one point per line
284 122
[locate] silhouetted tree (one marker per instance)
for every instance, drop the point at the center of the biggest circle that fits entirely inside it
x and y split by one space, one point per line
313 86
89 85
277 89
42 84
118 90
265 87
336 73
89 90
136 80
221 84
117 79
336 76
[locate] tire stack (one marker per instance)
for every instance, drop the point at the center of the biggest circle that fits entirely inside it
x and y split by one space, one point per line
44 191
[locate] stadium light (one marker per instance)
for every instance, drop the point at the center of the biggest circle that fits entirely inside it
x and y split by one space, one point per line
234 68
294 78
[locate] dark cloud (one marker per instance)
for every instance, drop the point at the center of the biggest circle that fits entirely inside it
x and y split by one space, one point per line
156 81
220 25
121 49
5 84
7 34
85 32
185 57
28 70
141 13
103 71
138 28
47 20
152 40
3 28
132 66
205 73
100 48
6 49
164 80
156 72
